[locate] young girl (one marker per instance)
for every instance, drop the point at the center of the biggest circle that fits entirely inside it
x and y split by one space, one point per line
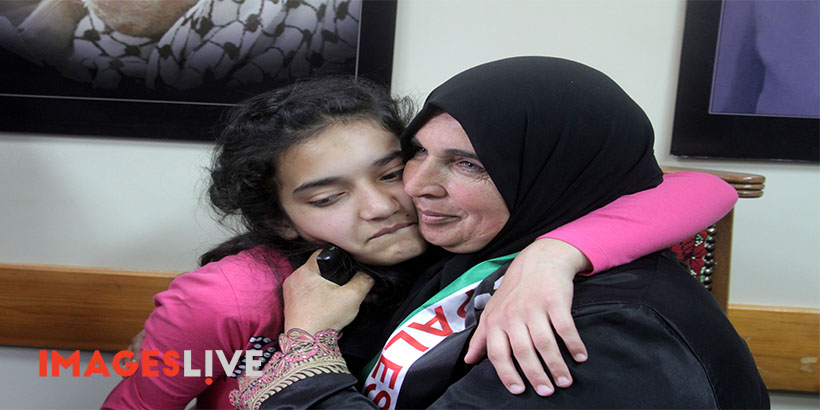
319 162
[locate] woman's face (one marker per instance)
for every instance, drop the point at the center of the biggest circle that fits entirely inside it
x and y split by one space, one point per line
458 205
344 186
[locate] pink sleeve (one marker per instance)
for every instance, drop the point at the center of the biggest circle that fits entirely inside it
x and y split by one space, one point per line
638 224
198 312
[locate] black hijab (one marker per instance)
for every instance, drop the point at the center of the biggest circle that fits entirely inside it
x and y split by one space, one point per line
559 139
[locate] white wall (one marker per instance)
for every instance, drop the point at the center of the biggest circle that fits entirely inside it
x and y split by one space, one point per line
22 388
136 204
103 202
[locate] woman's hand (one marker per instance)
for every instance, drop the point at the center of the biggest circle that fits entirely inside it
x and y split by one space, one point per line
313 303
534 298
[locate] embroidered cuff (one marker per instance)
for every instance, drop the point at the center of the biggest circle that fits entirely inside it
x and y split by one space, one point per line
304 356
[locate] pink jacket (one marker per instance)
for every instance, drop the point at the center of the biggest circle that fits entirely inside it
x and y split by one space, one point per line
230 305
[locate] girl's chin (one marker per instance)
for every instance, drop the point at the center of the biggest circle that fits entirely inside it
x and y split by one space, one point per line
400 252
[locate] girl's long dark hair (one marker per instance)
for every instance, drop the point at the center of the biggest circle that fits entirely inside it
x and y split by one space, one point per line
243 186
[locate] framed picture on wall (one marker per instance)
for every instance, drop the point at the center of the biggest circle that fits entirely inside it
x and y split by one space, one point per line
171 70
748 85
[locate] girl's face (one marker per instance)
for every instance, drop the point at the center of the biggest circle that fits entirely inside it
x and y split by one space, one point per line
344 186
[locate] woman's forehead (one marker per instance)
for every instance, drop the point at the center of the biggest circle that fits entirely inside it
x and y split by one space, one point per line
445 132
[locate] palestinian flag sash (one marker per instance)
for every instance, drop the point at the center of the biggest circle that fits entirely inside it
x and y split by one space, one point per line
428 342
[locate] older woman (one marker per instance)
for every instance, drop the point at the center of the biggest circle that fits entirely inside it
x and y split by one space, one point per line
499 155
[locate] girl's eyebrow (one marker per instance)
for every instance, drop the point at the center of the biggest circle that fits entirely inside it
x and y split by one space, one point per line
332 180
316 183
387 158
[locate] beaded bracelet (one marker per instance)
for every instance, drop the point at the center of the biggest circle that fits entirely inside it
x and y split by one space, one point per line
305 355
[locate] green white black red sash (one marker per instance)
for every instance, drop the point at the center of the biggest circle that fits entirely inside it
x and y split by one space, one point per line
446 313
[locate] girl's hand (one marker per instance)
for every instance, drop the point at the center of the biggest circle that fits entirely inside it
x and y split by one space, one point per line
313 303
534 298
136 345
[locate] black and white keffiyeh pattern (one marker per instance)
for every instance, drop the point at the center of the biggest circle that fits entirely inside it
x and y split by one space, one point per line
232 43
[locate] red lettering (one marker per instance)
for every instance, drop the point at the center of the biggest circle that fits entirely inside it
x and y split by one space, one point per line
146 362
167 358
72 361
428 327
43 363
96 365
388 365
462 310
382 395
407 338
130 367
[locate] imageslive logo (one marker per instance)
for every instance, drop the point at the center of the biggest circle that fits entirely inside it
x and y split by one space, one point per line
150 363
